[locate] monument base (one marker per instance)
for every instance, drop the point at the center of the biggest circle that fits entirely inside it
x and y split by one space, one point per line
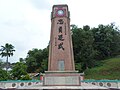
61 78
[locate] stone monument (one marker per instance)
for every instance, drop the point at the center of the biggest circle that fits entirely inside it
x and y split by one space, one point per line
61 68
61 74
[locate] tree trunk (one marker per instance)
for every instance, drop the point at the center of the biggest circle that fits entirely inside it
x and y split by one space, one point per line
7 64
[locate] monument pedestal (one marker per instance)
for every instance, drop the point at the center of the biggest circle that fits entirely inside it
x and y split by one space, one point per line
61 78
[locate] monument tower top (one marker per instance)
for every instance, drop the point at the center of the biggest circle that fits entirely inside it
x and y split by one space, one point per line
60 11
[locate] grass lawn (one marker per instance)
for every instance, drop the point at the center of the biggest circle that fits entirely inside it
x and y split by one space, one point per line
109 69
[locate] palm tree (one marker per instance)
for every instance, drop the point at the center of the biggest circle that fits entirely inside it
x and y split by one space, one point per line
7 51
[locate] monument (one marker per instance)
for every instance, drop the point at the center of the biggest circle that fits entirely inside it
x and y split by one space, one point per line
61 68
61 72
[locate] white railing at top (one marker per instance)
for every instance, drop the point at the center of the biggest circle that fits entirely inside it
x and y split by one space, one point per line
19 83
104 83
26 83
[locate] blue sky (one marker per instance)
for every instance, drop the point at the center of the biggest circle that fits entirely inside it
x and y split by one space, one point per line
26 23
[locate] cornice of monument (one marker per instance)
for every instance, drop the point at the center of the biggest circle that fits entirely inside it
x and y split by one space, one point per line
61 5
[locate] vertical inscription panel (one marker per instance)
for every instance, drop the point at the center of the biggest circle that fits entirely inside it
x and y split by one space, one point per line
61 80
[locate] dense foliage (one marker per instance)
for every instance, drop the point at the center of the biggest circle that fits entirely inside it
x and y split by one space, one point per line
90 45
84 52
4 75
93 44
36 60
19 71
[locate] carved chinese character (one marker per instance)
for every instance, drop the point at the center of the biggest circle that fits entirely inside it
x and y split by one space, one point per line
60 46
60 21
60 29
60 37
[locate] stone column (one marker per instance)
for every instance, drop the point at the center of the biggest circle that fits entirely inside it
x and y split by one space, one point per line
60 51
61 68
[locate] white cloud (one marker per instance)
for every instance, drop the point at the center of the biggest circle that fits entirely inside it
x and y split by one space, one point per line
26 23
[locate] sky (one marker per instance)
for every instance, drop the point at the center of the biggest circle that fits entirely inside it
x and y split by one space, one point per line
26 23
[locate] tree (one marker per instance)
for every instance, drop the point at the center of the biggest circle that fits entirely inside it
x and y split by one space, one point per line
78 67
19 71
36 60
4 75
83 47
7 51
44 65
31 64
21 60
106 41
1 63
